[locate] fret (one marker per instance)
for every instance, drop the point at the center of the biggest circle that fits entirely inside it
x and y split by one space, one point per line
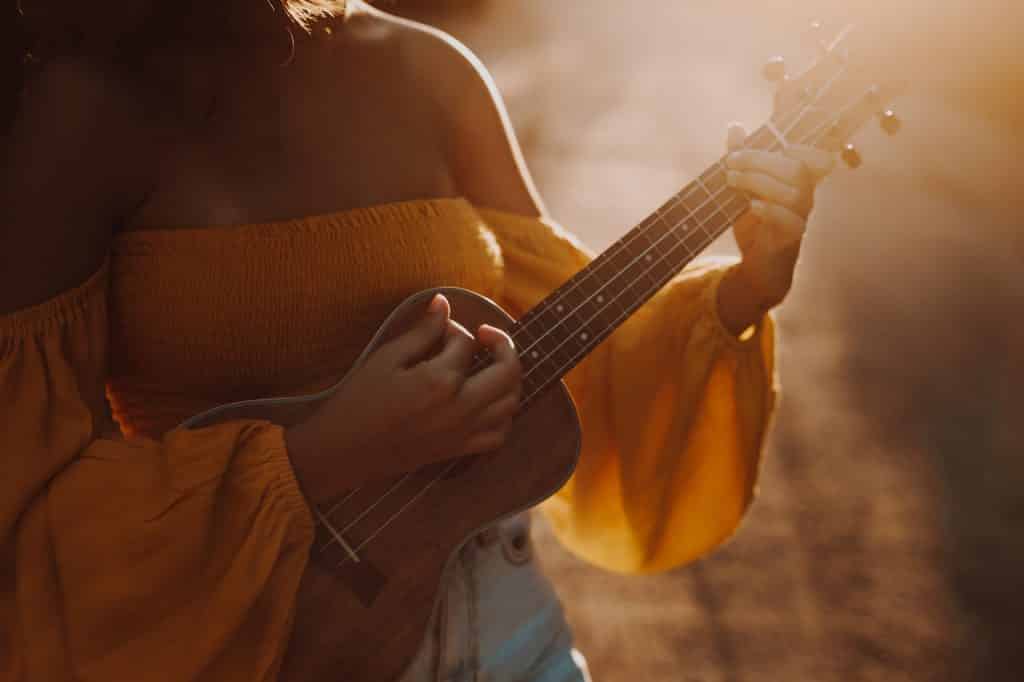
595 308
698 200
646 273
692 197
671 203
521 331
574 317
583 311
621 259
546 370
531 354
736 203
714 179
677 214
710 217
711 201
545 342
557 341
651 233
532 383
676 240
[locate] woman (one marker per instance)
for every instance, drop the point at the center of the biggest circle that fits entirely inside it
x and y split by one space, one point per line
201 205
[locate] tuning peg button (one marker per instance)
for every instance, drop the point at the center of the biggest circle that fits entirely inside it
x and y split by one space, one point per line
850 156
774 69
889 121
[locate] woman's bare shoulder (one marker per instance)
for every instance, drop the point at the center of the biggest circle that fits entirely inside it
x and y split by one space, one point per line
436 58
484 156
72 161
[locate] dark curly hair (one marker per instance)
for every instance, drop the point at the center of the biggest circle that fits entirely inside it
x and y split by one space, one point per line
126 32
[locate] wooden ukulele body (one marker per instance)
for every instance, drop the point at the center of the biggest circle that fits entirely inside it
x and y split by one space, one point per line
364 621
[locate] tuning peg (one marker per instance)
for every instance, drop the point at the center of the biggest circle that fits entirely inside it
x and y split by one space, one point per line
850 156
774 69
889 121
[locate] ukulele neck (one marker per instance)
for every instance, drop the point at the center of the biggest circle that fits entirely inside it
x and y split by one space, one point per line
557 333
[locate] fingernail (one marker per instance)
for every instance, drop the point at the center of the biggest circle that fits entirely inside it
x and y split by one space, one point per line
435 304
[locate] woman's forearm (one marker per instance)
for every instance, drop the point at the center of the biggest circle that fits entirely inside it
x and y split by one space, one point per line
738 305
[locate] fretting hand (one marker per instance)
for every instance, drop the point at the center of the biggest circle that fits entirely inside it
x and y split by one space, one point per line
770 234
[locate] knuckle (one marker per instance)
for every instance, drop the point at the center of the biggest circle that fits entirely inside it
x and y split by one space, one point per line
511 407
441 384
497 438
490 440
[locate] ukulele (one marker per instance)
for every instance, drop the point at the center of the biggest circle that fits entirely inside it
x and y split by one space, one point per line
371 589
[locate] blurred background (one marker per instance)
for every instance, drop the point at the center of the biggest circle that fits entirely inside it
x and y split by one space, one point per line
887 541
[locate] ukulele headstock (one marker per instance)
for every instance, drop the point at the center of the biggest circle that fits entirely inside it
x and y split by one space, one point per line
831 99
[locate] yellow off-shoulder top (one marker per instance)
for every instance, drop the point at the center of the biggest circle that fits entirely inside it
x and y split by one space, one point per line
131 551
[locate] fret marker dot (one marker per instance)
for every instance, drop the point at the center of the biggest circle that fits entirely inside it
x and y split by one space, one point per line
647 257
535 354
583 336
560 307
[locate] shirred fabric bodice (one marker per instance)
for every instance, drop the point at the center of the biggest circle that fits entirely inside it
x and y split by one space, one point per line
119 543
206 316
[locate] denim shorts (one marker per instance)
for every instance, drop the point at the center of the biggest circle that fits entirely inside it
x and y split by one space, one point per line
499 619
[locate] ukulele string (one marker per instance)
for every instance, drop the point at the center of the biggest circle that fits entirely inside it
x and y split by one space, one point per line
779 138
712 198
627 312
800 112
450 466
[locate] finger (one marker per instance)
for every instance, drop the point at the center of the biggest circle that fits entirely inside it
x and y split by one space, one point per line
498 414
789 170
768 188
735 136
484 442
409 348
458 351
502 376
779 215
817 161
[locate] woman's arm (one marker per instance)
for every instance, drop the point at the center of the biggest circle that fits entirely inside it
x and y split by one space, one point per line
488 167
674 407
115 547
73 163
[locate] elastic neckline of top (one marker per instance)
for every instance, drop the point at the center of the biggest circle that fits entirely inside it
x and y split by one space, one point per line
402 211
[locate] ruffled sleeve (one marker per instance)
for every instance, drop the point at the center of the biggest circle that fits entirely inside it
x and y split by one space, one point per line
172 559
674 411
